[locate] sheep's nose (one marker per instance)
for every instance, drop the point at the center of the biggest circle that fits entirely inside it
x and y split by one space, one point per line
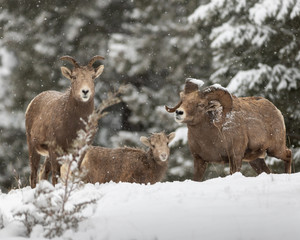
85 92
163 156
179 112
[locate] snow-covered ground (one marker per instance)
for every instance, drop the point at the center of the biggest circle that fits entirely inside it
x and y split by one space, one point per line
234 207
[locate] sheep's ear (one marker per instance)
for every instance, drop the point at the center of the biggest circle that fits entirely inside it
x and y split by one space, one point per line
98 71
145 141
214 110
66 72
213 105
171 136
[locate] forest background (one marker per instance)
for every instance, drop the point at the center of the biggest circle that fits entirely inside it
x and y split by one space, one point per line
252 47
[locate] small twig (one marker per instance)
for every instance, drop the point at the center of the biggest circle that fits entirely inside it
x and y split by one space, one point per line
18 179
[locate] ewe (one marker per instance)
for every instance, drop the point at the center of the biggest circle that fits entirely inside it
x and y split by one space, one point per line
53 118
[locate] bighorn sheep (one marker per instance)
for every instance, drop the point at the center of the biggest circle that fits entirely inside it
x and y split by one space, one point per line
127 164
53 118
225 128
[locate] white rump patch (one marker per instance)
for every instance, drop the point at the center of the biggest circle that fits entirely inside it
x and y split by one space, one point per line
198 82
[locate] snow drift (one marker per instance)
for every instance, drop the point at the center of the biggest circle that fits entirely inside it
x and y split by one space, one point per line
234 207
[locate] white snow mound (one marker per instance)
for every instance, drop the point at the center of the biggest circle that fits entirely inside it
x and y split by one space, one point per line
234 207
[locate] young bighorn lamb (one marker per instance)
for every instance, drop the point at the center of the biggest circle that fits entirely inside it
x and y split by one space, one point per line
128 164
224 128
53 118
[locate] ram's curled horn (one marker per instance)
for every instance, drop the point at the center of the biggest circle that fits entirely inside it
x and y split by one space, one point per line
171 110
94 59
71 60
192 84
220 94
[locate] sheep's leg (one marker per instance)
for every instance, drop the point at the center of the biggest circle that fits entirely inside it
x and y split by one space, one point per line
45 170
260 166
288 161
199 168
55 167
235 164
285 155
34 159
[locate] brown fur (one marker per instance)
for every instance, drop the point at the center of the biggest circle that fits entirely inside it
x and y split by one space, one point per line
128 164
53 118
250 127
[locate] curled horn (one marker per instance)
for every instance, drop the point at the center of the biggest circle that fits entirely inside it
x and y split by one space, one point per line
71 60
221 95
171 110
190 86
94 59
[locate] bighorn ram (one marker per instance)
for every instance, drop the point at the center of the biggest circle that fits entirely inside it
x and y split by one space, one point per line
53 118
225 128
128 164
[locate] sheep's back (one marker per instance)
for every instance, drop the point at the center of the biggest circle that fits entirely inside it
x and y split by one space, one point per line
262 121
105 164
42 111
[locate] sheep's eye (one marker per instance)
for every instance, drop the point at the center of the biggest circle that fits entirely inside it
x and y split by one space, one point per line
73 77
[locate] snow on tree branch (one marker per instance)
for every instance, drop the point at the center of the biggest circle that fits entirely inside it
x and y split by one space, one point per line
245 35
281 10
281 78
216 9
239 35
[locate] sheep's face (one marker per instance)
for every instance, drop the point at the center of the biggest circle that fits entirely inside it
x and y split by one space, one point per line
82 79
192 108
158 143
195 106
